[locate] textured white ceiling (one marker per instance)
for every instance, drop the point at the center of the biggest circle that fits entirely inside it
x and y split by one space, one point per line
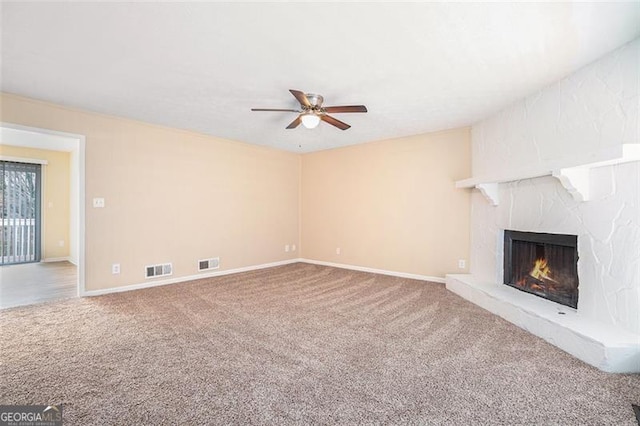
418 67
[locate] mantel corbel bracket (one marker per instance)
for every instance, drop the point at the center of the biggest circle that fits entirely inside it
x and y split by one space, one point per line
490 192
575 180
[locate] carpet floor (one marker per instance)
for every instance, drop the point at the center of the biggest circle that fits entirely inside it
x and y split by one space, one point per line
297 344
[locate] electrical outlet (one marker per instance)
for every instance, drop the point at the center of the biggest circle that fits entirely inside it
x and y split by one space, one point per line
338 250
98 203
61 243
462 263
293 247
115 268
286 248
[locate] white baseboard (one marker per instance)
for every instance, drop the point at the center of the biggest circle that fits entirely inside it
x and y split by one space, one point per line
56 259
440 280
149 284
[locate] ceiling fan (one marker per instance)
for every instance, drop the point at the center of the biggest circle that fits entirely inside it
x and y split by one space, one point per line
311 111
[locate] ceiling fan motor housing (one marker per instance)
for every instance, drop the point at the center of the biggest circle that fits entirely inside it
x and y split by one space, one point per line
314 100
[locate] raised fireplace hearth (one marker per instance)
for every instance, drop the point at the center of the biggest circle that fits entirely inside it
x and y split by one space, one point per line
542 264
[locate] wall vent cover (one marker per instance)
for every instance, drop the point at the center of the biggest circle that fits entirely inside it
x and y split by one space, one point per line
208 264
161 270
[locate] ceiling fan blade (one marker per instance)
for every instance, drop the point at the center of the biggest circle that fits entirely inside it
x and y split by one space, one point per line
295 123
334 122
346 108
301 97
274 109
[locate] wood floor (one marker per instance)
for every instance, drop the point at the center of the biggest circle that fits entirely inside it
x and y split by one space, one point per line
36 282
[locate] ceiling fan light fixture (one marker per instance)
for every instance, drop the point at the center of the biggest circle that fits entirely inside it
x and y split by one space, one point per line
310 120
311 111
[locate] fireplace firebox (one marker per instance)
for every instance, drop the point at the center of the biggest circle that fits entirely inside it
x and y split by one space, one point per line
542 264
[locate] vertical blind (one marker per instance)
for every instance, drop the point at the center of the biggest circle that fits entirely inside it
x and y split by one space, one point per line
20 212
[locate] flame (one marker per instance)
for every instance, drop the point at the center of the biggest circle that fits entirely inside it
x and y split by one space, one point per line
541 270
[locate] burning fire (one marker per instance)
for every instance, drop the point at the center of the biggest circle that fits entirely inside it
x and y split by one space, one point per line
541 270
541 273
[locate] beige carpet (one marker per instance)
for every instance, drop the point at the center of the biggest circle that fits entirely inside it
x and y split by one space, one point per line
298 344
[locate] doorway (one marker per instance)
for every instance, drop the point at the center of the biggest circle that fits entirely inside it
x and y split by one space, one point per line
40 258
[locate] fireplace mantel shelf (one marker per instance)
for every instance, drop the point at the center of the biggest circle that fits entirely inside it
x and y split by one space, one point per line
575 179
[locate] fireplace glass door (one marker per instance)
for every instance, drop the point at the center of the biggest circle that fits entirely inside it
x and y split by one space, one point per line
543 264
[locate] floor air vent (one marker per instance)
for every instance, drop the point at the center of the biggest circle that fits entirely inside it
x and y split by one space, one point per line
161 270
207 264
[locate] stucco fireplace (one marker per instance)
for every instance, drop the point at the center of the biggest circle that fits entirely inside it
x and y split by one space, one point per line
564 160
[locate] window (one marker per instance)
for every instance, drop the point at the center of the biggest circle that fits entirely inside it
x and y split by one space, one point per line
20 212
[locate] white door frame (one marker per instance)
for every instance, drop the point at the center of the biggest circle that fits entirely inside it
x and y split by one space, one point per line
33 137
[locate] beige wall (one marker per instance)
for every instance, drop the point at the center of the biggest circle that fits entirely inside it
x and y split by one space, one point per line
55 191
389 205
172 195
177 196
